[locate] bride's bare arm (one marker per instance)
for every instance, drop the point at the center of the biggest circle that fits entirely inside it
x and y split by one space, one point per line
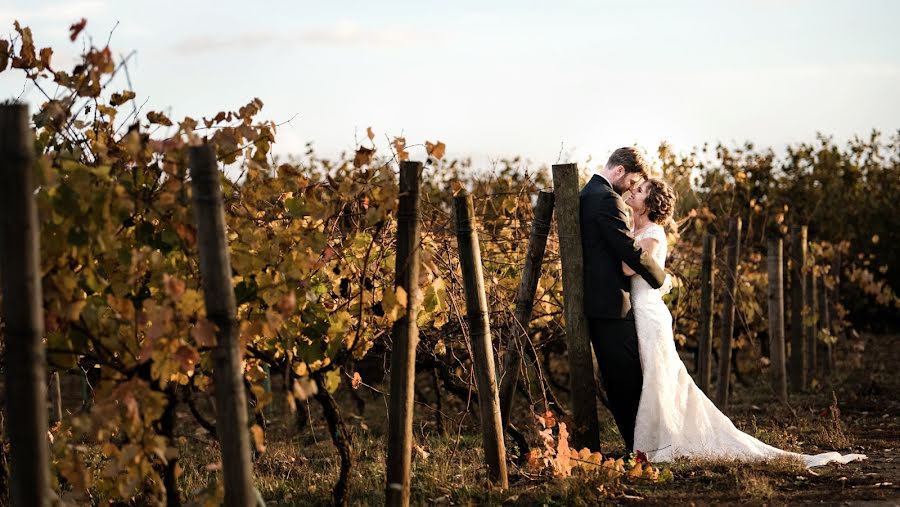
648 245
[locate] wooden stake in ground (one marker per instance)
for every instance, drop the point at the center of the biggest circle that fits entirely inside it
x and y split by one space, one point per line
707 295
811 319
531 274
218 292
583 388
405 335
798 300
55 399
728 304
827 358
20 272
776 318
480 335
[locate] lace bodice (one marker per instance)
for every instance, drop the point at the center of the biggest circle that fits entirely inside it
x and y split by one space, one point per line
656 232
641 291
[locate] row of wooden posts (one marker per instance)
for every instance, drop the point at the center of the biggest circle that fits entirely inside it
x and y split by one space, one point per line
810 312
27 416
20 271
494 409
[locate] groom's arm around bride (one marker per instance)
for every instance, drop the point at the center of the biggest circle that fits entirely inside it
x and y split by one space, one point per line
607 242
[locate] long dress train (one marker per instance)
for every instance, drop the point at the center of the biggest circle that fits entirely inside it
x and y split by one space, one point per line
675 418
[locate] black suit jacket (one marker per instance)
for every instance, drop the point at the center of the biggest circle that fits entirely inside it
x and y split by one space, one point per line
606 242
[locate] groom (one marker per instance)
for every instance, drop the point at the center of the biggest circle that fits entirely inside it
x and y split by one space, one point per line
607 242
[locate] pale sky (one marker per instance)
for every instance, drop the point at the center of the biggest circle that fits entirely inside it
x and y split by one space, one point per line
495 79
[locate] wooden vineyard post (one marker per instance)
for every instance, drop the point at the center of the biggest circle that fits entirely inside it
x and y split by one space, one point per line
531 274
480 333
55 399
218 292
798 300
776 318
20 272
825 324
707 295
405 335
811 319
586 427
728 304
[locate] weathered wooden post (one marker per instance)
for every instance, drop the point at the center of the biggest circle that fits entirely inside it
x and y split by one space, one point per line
480 335
586 427
20 272
776 318
218 294
707 295
811 319
531 274
827 358
55 399
798 300
728 304
405 335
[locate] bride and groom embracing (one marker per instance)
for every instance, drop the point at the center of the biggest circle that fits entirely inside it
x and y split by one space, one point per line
656 404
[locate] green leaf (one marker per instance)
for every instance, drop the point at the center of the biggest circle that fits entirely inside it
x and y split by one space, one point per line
333 380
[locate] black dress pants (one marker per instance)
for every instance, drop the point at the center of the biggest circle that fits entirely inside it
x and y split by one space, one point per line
616 346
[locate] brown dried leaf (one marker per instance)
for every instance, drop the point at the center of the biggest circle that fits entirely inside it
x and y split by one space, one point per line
436 150
76 29
204 333
26 58
159 118
399 144
118 99
363 156
46 54
4 54
187 357
547 419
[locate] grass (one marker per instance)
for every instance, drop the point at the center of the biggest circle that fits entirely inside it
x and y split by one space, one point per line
300 467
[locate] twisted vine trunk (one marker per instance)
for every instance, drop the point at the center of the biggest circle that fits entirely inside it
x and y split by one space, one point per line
167 427
341 439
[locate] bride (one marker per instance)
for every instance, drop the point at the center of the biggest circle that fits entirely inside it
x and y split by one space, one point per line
675 418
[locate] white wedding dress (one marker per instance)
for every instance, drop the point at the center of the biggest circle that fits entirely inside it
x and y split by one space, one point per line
675 418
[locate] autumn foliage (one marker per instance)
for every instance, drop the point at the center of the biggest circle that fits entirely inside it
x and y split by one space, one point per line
312 254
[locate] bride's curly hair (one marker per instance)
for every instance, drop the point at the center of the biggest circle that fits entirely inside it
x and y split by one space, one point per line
660 201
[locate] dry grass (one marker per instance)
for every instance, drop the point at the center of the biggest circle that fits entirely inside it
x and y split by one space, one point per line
301 467
754 485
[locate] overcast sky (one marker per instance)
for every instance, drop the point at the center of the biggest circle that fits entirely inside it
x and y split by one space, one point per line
494 79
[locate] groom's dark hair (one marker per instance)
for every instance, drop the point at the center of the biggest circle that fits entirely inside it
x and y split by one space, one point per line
631 159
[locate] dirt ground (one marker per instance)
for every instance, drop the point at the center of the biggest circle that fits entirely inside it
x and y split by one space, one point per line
300 465
866 390
448 470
